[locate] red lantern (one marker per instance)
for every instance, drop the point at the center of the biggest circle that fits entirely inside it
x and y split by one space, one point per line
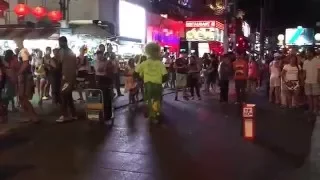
55 16
4 5
39 12
21 10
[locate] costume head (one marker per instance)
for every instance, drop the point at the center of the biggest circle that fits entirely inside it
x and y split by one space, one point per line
153 51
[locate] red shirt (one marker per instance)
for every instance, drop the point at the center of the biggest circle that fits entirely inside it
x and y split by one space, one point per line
240 68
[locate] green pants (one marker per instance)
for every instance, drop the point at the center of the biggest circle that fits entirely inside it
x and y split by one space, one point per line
153 98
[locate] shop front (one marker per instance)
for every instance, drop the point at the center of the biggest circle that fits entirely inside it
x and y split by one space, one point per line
14 36
166 32
89 33
204 36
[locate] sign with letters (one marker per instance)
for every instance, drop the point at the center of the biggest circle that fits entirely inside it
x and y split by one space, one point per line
248 118
204 31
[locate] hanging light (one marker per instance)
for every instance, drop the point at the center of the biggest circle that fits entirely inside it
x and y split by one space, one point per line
55 16
21 10
4 5
218 7
39 12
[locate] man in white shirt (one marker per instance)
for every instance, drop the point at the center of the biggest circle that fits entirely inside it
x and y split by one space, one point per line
311 67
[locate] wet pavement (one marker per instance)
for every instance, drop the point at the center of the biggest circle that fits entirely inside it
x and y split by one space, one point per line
48 111
199 140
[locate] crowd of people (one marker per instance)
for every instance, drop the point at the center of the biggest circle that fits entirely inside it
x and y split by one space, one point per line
24 73
291 80
294 80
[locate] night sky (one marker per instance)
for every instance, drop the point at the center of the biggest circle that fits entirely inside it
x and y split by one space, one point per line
282 14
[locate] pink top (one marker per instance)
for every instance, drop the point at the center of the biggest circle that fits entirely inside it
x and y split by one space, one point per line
252 70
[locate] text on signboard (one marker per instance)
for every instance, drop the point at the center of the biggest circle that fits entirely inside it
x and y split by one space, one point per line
247 112
201 24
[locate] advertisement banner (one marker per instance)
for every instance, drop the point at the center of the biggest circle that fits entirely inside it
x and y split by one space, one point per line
204 31
299 36
132 25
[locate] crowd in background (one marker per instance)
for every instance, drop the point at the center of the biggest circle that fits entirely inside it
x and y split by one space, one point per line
291 80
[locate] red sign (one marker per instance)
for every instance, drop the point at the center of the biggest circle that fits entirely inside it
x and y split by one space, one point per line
204 24
201 24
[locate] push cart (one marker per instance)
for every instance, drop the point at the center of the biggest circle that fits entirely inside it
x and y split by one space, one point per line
95 107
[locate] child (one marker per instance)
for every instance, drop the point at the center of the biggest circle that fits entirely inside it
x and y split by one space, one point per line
140 79
154 73
130 83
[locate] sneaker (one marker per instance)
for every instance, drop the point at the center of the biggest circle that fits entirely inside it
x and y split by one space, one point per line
62 119
45 98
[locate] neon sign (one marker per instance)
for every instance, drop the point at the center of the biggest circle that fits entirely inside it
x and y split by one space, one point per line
204 24
164 36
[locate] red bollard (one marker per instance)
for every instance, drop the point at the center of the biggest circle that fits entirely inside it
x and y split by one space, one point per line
249 121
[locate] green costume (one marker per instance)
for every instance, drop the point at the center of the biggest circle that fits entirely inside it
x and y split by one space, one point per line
152 72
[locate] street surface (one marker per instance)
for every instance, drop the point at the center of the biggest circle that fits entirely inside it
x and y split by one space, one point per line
199 140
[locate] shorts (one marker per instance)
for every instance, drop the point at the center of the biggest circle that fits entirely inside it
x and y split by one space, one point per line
181 80
291 86
40 78
275 82
312 89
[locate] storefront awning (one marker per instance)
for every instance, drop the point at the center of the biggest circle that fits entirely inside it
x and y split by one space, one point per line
12 32
91 30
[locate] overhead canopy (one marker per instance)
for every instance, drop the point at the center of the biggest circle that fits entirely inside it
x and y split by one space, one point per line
91 30
8 32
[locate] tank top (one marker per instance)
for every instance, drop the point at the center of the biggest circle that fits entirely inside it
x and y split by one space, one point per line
275 71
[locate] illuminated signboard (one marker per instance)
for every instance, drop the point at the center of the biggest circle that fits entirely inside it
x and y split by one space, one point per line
132 25
165 36
299 36
204 31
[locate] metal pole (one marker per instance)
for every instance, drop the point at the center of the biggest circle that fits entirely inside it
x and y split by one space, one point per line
234 14
226 27
64 8
62 4
67 11
262 29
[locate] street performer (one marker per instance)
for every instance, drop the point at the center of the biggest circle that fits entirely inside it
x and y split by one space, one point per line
154 73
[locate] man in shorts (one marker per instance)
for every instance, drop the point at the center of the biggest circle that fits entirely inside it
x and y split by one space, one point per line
311 67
